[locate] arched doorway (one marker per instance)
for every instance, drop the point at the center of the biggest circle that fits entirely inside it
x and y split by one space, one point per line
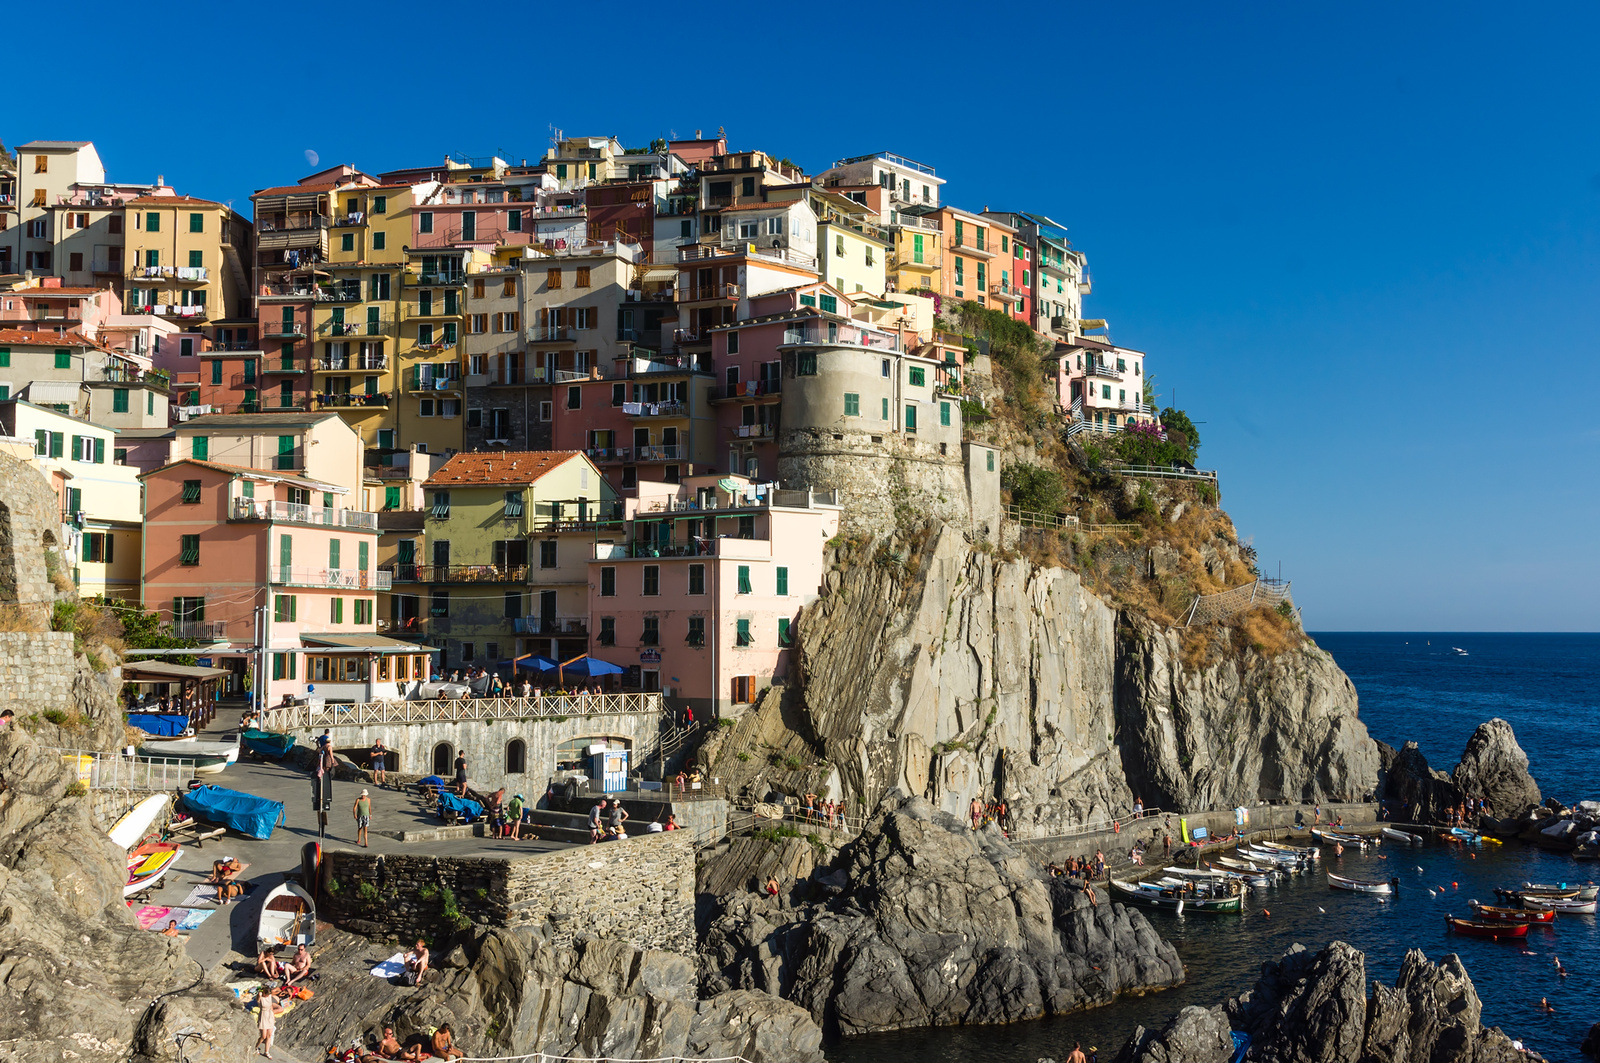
444 755
516 757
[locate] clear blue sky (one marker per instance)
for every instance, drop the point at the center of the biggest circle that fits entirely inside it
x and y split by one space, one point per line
1359 242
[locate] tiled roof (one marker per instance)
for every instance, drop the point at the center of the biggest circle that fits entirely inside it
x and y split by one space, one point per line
783 204
499 467
30 293
44 145
258 420
296 190
239 470
172 201
43 338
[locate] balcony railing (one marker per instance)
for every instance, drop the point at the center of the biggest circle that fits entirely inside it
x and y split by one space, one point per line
694 293
404 573
1109 372
551 625
339 400
451 279
418 382
338 578
752 431
299 513
835 335
551 334
668 364
302 223
194 274
351 363
610 454
675 452
749 389
915 221
310 716
345 221
571 376
118 373
200 629
645 410
1005 291
283 330
380 327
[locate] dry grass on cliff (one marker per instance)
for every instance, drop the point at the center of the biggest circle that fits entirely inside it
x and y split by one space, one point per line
1266 631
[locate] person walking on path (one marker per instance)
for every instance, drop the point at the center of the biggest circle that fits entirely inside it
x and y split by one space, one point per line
267 1021
363 814
378 756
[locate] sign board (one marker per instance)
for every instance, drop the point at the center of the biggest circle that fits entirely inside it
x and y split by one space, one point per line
650 656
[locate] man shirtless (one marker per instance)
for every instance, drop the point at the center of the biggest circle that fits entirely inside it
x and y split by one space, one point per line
389 1048
444 1044
1076 1055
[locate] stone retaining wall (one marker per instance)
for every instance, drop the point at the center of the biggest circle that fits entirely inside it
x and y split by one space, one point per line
37 670
640 890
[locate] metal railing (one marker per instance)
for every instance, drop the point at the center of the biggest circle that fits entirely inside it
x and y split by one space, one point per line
180 273
551 625
99 770
1107 371
351 398
299 513
1162 472
539 706
550 334
351 363
840 335
408 573
674 452
696 292
1112 823
200 629
354 579
1035 519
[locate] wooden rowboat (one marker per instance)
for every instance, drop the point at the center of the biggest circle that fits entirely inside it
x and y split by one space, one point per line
1586 891
1492 913
1563 905
1486 930
1357 885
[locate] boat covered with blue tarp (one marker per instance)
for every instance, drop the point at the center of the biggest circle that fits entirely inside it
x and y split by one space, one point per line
162 724
252 816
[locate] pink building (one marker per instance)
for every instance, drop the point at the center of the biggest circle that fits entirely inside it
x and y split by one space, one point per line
700 591
1101 386
273 568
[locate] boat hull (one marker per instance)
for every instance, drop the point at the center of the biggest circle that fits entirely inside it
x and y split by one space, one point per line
1356 885
267 743
1491 913
1475 929
288 917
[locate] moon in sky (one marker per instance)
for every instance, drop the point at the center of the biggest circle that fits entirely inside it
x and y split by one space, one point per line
311 157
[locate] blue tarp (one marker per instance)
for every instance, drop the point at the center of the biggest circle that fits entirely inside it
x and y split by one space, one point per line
467 809
159 723
251 816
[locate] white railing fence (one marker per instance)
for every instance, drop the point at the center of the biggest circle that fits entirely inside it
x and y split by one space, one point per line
300 717
99 770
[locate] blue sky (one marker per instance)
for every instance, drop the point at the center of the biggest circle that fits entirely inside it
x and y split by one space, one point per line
1358 241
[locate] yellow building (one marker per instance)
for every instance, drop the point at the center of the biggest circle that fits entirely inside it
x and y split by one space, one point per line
184 260
918 255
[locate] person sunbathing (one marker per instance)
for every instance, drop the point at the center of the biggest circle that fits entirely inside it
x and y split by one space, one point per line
225 870
172 930
444 1044
299 967
267 963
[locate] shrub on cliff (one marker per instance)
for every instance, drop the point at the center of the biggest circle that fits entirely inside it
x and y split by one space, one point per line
1034 487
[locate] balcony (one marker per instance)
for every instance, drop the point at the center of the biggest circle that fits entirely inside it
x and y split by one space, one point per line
609 455
184 274
346 400
283 330
283 368
914 221
276 512
967 250
572 376
746 389
644 411
675 452
380 327
551 625
235 345
296 293
120 373
435 346
671 364
1108 372
837 335
404 573
450 279
358 363
1006 291
700 293
650 295
346 221
550 334
529 376
353 579
202 630
298 224
752 431
1063 324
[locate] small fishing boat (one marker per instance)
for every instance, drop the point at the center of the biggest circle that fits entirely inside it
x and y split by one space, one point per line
1240 863
1470 837
1203 873
1548 894
1395 834
267 743
1359 885
288 917
1566 906
1309 851
147 864
1328 837
1178 899
1283 861
1476 929
1586 891
1494 913
1251 873
167 747
204 763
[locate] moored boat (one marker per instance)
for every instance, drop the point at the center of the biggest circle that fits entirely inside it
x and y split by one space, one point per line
166 747
1587 891
1330 837
1359 885
1309 851
1493 913
1174 898
1564 905
204 763
1476 929
1239 863
1396 834
288 917
147 864
267 743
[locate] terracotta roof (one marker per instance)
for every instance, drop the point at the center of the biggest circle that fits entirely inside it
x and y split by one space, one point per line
295 190
35 291
172 201
499 467
43 338
780 205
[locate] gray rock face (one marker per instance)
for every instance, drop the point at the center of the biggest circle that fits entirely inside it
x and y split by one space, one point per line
937 925
77 972
511 993
1495 769
1412 791
1195 1035
964 675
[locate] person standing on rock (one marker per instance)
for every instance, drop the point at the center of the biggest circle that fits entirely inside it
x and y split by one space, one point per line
619 816
976 811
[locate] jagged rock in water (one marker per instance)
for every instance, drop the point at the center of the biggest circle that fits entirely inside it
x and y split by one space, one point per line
950 673
1591 1041
77 975
1195 1035
1495 769
1412 791
937 924
513 993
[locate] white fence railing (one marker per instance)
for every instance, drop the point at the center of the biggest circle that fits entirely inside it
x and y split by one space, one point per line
1209 608
548 706
113 771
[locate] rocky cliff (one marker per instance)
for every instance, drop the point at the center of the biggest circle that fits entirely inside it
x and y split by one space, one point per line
1493 768
926 922
1314 1008
938 668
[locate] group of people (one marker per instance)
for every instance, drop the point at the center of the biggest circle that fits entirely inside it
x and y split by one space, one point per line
606 820
189 700
1082 867
437 1043
829 813
982 814
269 996
495 686
1466 813
507 817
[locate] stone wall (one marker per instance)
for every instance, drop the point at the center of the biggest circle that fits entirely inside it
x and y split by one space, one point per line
879 474
108 806
31 550
640 891
36 672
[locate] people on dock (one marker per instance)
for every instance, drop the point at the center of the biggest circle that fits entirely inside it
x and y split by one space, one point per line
616 818
267 962
596 813
513 824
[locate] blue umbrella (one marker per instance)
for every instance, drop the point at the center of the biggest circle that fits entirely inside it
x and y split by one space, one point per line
590 667
537 663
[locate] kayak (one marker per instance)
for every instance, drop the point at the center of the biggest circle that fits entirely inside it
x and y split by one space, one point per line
133 826
147 864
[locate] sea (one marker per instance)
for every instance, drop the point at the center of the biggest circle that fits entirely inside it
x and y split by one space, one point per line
1433 688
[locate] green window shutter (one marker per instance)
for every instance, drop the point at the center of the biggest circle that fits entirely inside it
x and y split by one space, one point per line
919 376
57 444
885 409
201 448
944 414
333 553
744 579
216 371
77 448
197 259
191 491
5 357
911 418
916 248
852 404
248 489
197 223
744 633
828 304
119 400
99 451
361 555
152 222
285 550
783 580
150 403
74 499
783 631
63 359
41 442
808 300
391 497
285 445
336 610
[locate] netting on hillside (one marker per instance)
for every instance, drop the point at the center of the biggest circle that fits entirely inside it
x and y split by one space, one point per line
1209 608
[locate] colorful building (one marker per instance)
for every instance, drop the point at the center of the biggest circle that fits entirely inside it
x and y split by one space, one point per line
1101 386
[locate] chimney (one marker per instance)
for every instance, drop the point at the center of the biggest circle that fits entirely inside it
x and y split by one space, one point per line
697 134
160 180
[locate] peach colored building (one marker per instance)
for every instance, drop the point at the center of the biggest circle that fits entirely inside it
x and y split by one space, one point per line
270 567
697 595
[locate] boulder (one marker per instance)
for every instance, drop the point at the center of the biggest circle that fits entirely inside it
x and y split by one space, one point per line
933 924
1591 1041
1195 1035
1413 792
1495 769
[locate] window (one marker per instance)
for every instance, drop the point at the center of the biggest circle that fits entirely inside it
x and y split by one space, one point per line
335 610
75 261
380 204
828 304
552 278
284 608
469 652
697 579
608 631
425 221
919 376
885 410
63 359
651 635
378 240
547 553
152 222
783 632
114 225
733 342
514 504
990 456
347 242
439 604
583 277
516 757
41 164
512 605
189 550
911 418
652 581
744 638
608 582
852 404
805 363
119 400
775 226
944 414
583 317
744 579
574 398
191 488
441 505
97 547
283 666
697 631
514 221
744 689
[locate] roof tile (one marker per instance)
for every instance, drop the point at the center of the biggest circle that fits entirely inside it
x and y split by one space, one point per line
499 467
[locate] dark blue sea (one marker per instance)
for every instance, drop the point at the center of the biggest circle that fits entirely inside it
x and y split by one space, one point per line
1412 687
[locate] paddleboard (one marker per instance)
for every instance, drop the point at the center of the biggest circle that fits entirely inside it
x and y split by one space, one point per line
128 830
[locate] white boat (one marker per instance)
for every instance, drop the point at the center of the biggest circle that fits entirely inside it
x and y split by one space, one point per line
288 917
1285 861
1251 878
132 827
1574 906
1586 892
1395 834
156 747
1357 885
1249 867
1195 872
1310 851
